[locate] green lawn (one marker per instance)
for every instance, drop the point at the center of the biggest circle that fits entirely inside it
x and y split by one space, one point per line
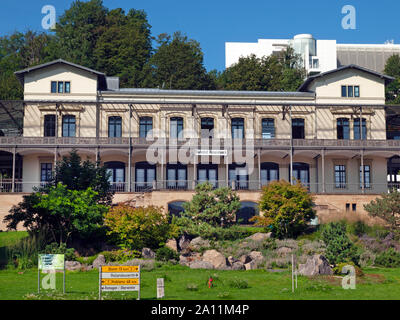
11 237
377 284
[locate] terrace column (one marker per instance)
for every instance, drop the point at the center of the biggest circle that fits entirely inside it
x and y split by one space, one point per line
13 170
259 168
130 150
291 146
362 171
323 169
194 170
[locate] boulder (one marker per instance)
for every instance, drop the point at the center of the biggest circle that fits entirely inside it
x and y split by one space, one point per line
259 236
251 265
147 253
238 266
187 258
99 261
216 258
184 242
283 251
245 259
256 255
172 244
315 265
198 243
201 265
73 265
231 260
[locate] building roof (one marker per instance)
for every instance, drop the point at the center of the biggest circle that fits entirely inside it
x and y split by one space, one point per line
304 86
21 73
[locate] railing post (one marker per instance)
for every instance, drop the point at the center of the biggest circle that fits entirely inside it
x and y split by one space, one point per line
323 169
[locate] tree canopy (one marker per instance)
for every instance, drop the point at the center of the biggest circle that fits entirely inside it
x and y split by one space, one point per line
392 68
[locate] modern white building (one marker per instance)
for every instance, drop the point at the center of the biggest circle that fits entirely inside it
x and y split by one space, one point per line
318 55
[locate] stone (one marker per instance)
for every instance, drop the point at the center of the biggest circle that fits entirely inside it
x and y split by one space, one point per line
184 242
245 259
283 251
256 255
99 261
147 253
216 258
198 243
231 260
251 265
238 266
259 236
187 258
72 265
201 265
315 265
172 244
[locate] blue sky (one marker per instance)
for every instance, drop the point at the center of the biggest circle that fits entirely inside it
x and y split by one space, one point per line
213 23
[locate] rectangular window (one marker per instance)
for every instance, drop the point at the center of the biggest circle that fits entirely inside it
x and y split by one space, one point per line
343 129
54 87
207 128
115 127
67 87
237 128
357 129
60 87
68 126
298 129
350 91
356 91
46 172
367 176
340 176
176 128
268 129
50 125
145 126
344 91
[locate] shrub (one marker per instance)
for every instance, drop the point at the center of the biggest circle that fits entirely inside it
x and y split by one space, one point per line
286 208
238 283
136 228
55 248
166 254
122 255
192 287
339 248
388 259
338 269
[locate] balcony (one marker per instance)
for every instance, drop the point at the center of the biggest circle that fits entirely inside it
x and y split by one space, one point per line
32 142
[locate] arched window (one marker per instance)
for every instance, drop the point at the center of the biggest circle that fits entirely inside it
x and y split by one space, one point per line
176 128
145 175
301 172
175 208
145 126
208 172
238 176
269 172
207 128
393 172
176 176
247 210
116 169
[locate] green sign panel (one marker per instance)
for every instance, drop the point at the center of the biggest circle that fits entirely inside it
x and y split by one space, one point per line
51 262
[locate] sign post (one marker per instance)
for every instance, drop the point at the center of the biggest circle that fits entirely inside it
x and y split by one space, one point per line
50 263
160 288
119 278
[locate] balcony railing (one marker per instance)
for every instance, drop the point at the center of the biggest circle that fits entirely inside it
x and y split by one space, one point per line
20 186
195 142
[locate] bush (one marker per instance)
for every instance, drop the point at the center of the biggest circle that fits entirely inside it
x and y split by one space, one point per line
388 259
238 283
55 248
120 255
339 248
286 208
338 269
166 254
137 228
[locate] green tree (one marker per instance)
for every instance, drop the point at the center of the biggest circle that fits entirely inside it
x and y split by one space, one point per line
136 228
60 213
124 46
76 174
177 64
78 31
339 248
387 208
281 72
392 68
215 207
285 208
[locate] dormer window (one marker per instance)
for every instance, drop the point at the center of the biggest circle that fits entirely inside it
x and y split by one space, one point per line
350 91
60 87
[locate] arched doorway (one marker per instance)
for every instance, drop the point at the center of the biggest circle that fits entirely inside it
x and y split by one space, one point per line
175 208
247 210
393 172
117 175
6 165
